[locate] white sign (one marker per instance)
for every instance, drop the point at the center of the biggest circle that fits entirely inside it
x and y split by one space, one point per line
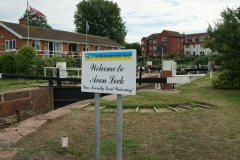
62 73
112 71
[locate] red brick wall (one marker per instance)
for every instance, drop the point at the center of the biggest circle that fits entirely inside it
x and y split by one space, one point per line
23 104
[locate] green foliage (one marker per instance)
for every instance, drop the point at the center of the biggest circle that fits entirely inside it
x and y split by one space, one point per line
103 19
135 45
225 38
24 60
202 60
7 61
35 21
227 80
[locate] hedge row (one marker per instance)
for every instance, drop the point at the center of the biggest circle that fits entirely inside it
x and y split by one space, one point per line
227 80
26 62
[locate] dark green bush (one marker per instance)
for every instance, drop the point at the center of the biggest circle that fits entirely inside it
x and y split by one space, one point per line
227 80
7 63
203 60
24 60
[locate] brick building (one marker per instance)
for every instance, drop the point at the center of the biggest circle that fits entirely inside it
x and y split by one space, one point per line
188 44
49 42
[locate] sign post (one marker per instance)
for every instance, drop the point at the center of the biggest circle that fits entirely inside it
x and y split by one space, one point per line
113 72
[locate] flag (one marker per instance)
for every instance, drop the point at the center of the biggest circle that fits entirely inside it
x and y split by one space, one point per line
34 12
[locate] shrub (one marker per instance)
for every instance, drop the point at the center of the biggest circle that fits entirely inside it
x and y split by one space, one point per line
7 63
24 60
227 80
203 60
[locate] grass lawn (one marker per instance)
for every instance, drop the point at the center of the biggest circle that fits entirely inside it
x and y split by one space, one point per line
15 84
211 133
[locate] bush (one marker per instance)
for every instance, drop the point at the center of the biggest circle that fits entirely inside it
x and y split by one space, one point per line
24 60
227 80
7 63
203 60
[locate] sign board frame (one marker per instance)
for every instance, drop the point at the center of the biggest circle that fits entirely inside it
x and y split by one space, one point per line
110 71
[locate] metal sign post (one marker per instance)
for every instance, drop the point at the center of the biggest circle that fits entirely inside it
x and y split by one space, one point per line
97 126
119 127
113 72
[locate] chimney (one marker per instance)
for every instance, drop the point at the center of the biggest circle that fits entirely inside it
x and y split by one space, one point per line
23 21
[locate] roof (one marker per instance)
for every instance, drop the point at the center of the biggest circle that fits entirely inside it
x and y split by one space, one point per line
56 35
195 35
173 33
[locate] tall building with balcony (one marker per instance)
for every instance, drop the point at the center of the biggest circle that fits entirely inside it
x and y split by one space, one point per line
173 41
176 43
193 44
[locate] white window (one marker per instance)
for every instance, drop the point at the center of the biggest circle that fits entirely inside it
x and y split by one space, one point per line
143 48
143 42
154 47
10 45
155 41
150 41
202 52
57 48
164 39
36 45
194 39
187 39
150 48
201 38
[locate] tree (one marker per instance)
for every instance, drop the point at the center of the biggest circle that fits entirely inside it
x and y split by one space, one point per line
103 19
134 45
35 21
225 38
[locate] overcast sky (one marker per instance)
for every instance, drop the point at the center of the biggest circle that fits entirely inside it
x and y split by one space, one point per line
141 17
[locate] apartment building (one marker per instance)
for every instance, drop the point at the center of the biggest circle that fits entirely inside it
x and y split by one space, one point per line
172 40
193 44
176 43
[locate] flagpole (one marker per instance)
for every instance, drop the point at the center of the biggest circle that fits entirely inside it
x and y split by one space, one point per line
86 34
27 23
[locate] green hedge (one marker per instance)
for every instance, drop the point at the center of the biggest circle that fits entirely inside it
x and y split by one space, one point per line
227 80
7 63
26 62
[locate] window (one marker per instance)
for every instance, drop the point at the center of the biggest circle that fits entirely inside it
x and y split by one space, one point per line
187 39
202 52
194 39
150 41
154 47
150 53
10 45
112 48
201 38
155 54
155 41
182 39
150 48
143 48
164 39
143 42
201 45
57 48
187 46
36 45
